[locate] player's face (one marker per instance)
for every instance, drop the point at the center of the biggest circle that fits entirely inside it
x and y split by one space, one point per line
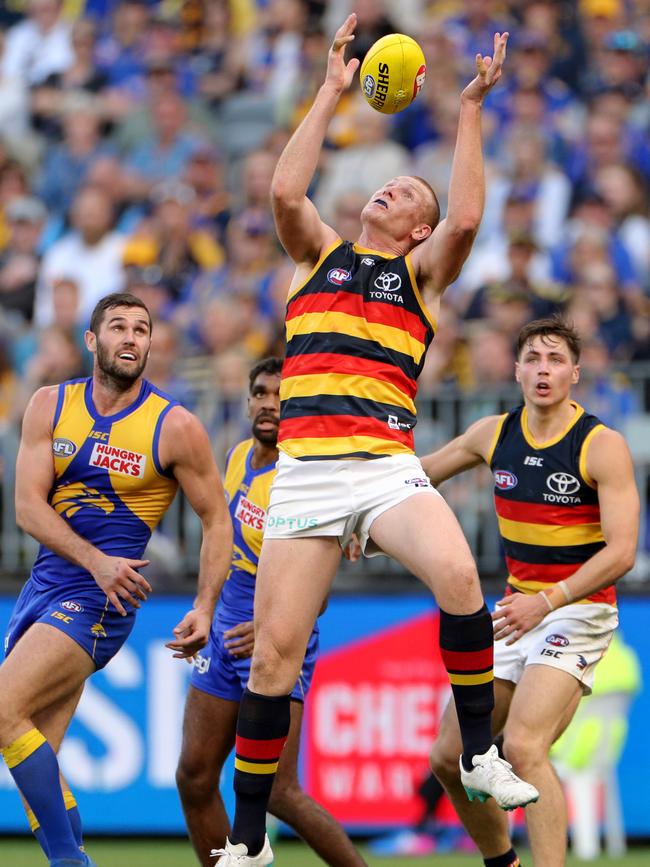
401 204
546 370
123 343
264 408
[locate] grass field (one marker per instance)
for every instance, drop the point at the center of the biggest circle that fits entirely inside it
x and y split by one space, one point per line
177 853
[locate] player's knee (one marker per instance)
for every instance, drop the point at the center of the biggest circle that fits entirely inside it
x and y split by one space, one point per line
444 761
284 799
523 751
457 580
195 781
273 666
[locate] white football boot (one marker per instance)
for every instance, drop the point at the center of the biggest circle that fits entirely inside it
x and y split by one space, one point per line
236 855
492 777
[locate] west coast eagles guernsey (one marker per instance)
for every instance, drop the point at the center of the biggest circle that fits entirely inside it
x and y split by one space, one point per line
248 492
109 485
357 333
546 503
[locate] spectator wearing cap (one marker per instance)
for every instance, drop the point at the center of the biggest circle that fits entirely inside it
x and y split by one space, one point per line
90 254
619 62
171 239
20 259
38 46
205 174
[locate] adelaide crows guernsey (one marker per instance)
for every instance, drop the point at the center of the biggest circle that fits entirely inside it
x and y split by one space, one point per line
108 482
357 332
546 503
248 492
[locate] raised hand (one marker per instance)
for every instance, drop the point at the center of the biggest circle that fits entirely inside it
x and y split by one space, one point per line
339 73
488 70
118 578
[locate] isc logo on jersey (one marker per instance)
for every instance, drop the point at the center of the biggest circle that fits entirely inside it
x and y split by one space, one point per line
249 514
117 460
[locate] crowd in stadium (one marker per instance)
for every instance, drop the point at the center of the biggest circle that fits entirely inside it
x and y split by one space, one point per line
138 141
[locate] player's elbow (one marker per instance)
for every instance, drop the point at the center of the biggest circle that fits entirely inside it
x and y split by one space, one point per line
463 227
283 193
24 514
627 559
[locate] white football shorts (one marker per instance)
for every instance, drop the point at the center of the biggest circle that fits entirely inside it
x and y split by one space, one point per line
572 638
339 498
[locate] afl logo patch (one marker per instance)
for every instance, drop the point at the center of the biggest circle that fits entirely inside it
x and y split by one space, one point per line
505 480
69 605
557 640
369 86
63 448
338 276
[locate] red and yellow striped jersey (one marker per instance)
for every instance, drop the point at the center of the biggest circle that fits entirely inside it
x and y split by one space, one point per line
546 504
357 333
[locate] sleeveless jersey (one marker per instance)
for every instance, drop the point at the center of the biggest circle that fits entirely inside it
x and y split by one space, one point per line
109 485
357 332
248 492
546 504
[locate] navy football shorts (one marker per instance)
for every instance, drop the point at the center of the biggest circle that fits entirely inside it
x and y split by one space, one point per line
86 616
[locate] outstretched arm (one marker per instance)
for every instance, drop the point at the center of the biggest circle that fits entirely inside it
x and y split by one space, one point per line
299 226
467 450
185 448
438 260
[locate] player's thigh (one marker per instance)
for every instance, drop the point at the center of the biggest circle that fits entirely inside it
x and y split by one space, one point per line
45 667
287 774
209 729
544 702
422 533
293 578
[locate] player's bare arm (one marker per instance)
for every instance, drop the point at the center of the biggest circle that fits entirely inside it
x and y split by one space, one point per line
300 229
609 465
468 450
185 450
116 576
439 259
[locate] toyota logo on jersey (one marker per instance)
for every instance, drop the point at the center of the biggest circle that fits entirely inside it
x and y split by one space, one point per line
563 483
338 276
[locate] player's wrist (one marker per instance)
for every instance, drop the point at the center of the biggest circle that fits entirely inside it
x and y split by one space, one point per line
555 597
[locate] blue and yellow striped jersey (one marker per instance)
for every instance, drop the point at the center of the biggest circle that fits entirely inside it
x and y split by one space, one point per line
248 492
109 485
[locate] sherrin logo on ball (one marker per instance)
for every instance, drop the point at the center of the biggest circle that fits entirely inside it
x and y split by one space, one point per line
392 73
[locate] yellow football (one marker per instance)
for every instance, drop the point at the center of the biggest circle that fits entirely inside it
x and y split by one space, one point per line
392 73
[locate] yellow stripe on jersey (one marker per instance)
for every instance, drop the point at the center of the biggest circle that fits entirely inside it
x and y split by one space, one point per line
356 326
309 385
324 446
551 535
324 256
74 425
255 768
583 455
495 438
471 679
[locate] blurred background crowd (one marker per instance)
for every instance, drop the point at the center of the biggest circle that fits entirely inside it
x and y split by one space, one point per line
138 141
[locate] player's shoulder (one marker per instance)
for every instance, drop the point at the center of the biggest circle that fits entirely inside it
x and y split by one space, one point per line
180 422
44 400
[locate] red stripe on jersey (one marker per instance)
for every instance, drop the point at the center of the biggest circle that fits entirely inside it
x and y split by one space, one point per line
549 573
536 513
353 304
310 426
331 362
473 660
254 749
608 594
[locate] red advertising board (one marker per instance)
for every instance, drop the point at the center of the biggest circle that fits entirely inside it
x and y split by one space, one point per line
372 715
